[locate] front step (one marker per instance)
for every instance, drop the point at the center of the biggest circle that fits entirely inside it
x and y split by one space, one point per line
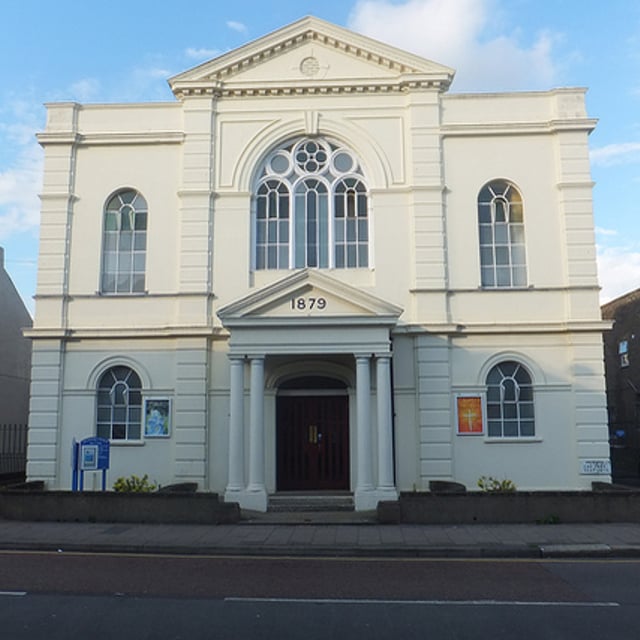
309 502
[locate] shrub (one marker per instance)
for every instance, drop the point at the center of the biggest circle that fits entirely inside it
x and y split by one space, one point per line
493 485
134 484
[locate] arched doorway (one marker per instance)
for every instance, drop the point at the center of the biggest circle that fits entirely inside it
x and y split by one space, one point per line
312 435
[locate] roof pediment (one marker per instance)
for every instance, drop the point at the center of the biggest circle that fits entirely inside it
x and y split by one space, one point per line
312 56
311 297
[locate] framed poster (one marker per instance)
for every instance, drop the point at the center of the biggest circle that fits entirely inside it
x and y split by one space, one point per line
157 417
469 415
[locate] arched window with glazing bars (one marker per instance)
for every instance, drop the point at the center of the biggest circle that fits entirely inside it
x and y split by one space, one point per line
311 208
510 401
119 404
501 231
124 243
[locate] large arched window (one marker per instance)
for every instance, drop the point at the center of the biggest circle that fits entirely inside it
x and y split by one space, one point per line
124 243
501 229
311 208
510 401
119 415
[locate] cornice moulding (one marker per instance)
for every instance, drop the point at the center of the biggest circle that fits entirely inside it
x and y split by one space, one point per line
124 332
514 328
109 137
510 128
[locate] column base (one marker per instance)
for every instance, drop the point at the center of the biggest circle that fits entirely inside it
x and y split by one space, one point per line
251 499
367 499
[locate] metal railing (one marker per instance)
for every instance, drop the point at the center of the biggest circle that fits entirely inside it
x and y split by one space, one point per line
13 448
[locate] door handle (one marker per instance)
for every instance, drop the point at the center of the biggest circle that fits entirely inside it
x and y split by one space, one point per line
313 434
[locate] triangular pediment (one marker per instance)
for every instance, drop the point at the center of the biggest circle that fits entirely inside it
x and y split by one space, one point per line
311 55
309 295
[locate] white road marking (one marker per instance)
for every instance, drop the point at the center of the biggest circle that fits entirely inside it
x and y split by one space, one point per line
13 593
455 603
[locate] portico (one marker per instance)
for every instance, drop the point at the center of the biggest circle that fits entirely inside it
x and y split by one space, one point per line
312 321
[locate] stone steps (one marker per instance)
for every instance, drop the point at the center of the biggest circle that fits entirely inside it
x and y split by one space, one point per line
310 503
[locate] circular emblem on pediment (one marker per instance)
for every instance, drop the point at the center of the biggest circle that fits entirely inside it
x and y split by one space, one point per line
310 66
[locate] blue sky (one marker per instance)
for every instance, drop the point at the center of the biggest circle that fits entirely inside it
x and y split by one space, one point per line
117 51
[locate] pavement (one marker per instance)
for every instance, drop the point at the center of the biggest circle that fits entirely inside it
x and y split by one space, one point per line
328 535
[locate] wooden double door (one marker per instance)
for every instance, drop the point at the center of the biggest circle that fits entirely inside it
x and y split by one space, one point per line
312 443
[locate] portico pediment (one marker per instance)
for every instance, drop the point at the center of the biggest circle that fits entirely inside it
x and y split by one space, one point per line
309 312
311 56
311 297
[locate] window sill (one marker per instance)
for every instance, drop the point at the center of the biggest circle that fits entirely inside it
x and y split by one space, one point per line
512 440
126 443
122 294
518 287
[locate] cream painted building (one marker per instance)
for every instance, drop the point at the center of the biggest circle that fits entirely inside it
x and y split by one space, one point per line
318 270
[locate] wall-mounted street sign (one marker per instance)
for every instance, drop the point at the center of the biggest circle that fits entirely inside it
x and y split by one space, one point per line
595 467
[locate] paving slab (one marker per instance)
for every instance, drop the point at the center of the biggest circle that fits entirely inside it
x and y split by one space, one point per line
326 537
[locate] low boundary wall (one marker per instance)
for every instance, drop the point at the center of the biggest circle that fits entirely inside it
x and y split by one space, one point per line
543 507
108 506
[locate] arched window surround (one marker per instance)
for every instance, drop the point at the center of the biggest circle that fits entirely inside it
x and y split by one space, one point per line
310 208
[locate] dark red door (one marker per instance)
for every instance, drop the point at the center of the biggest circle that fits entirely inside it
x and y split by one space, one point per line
312 443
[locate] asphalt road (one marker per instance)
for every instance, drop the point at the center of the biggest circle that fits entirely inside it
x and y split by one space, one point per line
62 595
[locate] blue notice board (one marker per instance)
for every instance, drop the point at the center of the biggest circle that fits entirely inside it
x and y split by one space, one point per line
90 454
94 454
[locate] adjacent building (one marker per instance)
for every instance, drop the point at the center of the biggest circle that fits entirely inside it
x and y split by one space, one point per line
15 372
622 369
319 270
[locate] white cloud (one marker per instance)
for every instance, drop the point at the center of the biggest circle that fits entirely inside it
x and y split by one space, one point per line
606 232
237 26
21 160
616 154
19 188
618 270
456 34
202 53
85 90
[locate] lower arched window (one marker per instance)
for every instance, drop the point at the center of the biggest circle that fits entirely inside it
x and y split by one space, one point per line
510 401
119 414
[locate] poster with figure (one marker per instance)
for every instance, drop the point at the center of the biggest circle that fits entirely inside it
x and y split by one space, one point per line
469 415
157 417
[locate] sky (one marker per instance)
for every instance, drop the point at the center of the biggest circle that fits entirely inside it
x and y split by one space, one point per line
98 51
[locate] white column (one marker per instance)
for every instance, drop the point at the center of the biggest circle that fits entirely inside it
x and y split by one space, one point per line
256 494
364 469
236 430
386 487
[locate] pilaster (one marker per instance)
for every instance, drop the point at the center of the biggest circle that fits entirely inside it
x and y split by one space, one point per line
428 222
59 141
196 205
190 412
45 412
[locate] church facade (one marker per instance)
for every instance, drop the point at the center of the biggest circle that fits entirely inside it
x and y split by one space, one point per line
318 270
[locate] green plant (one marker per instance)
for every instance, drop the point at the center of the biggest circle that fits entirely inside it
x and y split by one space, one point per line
551 519
134 484
493 485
